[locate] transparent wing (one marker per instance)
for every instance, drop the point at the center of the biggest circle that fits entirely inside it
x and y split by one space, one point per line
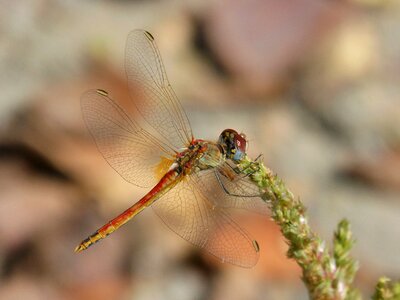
189 213
227 189
153 94
130 150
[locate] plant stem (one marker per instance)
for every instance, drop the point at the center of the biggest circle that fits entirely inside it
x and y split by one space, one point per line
327 275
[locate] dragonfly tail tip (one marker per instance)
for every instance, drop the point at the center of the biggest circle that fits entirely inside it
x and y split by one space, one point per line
79 248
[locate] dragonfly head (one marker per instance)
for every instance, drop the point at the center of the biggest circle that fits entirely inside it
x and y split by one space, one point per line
233 143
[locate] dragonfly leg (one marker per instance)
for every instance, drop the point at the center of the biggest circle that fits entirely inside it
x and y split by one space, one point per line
253 166
233 194
259 157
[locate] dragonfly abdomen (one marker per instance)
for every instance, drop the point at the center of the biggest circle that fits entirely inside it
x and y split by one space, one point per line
168 181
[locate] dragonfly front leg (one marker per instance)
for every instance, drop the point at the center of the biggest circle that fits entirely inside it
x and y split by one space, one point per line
253 166
250 169
241 184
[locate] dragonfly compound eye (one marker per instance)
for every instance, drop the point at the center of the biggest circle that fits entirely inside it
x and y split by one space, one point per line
233 144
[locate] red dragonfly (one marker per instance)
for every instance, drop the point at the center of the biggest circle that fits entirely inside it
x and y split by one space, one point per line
194 181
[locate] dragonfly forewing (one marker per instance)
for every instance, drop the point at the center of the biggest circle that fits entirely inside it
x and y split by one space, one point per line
152 92
133 152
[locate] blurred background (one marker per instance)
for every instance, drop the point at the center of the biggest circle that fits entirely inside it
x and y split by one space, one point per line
313 84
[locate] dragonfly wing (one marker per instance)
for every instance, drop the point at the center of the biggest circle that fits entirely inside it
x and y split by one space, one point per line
152 92
189 213
227 189
130 150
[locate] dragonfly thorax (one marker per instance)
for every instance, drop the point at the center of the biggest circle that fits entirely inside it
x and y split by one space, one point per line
200 155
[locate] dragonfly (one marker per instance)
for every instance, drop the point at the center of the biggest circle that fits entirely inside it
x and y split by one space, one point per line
193 182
